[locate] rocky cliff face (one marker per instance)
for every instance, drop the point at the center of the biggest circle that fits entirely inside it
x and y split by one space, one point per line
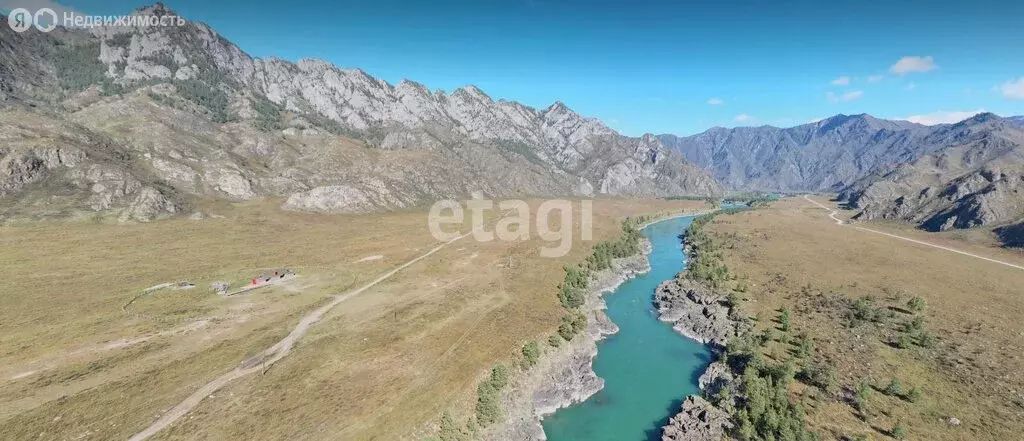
698 420
246 125
975 179
947 176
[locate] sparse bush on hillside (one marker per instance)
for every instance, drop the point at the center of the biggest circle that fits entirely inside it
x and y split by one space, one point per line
268 115
499 376
916 324
862 392
785 319
917 304
894 388
805 346
531 354
913 395
488 410
925 339
77 64
820 373
211 98
572 291
555 341
898 431
450 431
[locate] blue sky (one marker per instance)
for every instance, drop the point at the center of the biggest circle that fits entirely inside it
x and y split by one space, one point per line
652 66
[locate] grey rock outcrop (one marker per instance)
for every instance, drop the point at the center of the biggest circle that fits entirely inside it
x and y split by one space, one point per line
698 420
718 376
695 311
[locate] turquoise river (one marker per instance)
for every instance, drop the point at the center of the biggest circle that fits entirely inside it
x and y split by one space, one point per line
648 368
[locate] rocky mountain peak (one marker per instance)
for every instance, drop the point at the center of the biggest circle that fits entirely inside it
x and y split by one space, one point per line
158 9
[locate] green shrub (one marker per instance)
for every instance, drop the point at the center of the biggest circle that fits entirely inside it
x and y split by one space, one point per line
499 376
488 392
914 325
487 408
894 388
862 392
450 431
555 340
925 339
898 431
914 395
917 304
784 320
573 322
531 354
805 347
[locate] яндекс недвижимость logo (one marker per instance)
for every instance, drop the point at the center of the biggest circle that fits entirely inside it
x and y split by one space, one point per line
46 20
20 19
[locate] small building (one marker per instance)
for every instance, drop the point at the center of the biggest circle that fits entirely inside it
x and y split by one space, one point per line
268 276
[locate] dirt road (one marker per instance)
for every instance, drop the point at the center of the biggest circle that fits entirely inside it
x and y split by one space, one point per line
832 215
272 354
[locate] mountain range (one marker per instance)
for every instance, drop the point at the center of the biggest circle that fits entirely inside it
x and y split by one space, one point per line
148 122
940 177
143 122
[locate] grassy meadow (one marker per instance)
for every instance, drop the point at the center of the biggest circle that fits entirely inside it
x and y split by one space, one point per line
382 365
850 291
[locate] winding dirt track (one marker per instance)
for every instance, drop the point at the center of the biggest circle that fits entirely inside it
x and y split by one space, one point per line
272 354
832 215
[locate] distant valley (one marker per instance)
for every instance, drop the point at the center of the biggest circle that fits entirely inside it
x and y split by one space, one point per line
940 177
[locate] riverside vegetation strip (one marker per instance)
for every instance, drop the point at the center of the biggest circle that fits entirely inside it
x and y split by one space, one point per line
572 295
751 389
564 375
878 351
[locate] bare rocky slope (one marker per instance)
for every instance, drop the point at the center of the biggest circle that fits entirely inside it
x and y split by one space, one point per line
977 180
183 114
940 177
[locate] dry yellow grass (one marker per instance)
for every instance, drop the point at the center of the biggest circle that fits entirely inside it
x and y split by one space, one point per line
795 257
378 367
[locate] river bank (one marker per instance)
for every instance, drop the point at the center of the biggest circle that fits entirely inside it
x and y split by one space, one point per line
699 311
565 375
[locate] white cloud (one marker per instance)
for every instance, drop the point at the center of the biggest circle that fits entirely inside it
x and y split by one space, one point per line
848 96
907 65
875 78
715 101
743 117
1013 90
815 120
942 117
841 81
